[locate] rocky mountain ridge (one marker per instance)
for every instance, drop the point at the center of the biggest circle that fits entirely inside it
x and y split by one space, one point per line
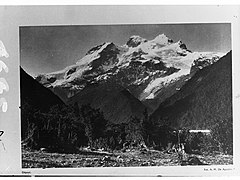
151 70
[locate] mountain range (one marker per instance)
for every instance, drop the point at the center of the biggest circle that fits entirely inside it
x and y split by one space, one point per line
124 80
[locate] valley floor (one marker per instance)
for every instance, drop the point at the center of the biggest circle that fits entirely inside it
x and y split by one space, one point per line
130 158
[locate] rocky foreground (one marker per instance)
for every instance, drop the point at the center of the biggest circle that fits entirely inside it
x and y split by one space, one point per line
130 158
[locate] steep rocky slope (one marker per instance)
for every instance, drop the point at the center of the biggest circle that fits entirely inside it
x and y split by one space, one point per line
204 101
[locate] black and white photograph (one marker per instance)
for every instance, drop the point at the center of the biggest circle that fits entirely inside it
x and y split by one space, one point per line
126 95
119 90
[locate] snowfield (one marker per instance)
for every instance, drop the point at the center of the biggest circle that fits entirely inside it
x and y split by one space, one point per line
184 64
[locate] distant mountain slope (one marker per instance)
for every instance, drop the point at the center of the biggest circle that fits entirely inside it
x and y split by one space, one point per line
204 100
152 70
117 104
36 94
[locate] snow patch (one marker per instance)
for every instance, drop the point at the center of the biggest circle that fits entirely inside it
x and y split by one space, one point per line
158 83
150 96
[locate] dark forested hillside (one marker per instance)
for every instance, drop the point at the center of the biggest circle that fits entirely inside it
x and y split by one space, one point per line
204 102
36 94
36 100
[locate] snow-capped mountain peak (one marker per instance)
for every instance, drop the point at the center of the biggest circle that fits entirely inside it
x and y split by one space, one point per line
141 65
162 39
93 54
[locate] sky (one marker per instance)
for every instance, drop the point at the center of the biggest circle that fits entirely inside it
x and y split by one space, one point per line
45 49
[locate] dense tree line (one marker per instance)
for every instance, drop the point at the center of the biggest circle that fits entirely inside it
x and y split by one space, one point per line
67 128
59 129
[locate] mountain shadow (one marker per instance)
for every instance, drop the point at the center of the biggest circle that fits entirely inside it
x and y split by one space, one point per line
117 104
